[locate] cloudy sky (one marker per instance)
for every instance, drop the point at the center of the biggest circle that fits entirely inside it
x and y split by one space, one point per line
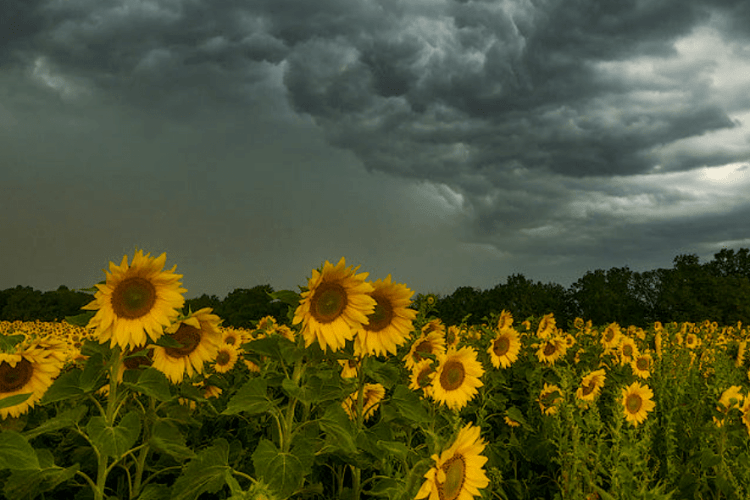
446 142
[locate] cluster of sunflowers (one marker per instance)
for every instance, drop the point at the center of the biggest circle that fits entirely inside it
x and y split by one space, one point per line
136 311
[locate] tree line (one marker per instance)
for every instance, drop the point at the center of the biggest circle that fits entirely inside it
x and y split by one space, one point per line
718 290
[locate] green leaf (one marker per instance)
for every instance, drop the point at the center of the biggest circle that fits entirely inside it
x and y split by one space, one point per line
394 449
283 472
252 398
167 438
290 388
68 418
339 430
9 342
152 382
92 371
168 341
82 319
267 346
286 296
317 390
515 414
66 386
205 473
408 404
14 400
16 453
155 492
30 483
115 441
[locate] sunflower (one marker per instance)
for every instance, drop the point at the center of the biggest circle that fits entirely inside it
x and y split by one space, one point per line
225 359
591 385
454 334
391 322
427 343
504 349
421 376
136 300
336 304
628 350
200 338
641 365
549 399
349 367
740 359
372 394
457 377
611 336
458 473
637 401
234 337
692 341
510 422
551 350
547 326
30 371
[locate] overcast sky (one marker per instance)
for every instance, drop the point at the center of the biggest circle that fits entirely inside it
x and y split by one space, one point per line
448 143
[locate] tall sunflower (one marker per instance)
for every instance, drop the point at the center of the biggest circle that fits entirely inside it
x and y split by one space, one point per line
547 326
457 377
136 300
200 338
458 472
504 348
390 323
628 350
611 336
336 304
641 365
30 371
637 402
550 398
421 376
591 385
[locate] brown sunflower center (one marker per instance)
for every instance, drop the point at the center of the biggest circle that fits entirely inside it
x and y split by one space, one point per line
423 347
424 379
501 346
328 302
549 349
133 298
188 336
453 375
642 364
627 350
222 358
609 335
13 378
588 388
455 475
134 362
633 403
381 316
230 340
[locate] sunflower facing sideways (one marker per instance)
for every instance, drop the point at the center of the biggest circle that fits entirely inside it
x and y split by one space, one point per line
390 323
504 348
591 385
637 402
457 377
200 338
458 472
372 395
336 304
427 343
136 300
30 371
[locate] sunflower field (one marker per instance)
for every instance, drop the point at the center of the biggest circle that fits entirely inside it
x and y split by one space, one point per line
363 393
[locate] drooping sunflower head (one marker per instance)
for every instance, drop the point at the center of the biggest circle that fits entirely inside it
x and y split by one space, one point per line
458 473
136 301
390 323
30 371
504 348
199 338
457 377
547 326
549 398
421 376
336 305
505 321
637 402
431 343
591 385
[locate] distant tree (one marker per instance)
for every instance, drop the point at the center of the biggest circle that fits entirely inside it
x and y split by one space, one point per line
204 300
610 296
23 303
688 291
243 306
464 301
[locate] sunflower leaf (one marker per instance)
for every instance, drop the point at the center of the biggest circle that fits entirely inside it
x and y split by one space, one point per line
283 472
65 419
168 341
167 438
30 483
16 453
14 400
64 387
8 342
408 404
252 398
82 319
115 440
152 382
205 473
339 431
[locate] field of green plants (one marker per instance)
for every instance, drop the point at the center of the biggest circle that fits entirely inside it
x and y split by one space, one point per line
363 393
